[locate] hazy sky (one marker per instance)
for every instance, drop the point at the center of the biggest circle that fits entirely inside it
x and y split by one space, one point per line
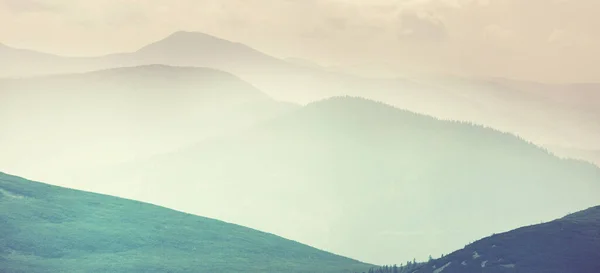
548 40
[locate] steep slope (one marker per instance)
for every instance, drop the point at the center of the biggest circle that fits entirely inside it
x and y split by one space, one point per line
397 184
50 229
55 125
567 245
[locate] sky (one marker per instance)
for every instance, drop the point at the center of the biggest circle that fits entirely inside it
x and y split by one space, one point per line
542 40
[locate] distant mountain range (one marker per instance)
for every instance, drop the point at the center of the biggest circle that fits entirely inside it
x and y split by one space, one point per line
548 114
66 123
179 49
45 228
567 245
362 172
193 138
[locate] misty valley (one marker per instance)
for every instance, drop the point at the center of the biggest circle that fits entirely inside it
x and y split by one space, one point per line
195 153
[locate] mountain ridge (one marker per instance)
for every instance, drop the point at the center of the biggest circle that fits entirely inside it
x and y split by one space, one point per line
200 49
591 214
569 244
129 112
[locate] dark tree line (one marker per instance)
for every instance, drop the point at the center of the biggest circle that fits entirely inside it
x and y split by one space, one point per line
408 268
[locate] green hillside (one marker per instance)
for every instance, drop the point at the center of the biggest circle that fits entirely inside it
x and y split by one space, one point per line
45 228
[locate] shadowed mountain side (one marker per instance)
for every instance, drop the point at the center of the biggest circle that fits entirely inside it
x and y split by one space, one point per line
567 245
59 124
398 184
45 228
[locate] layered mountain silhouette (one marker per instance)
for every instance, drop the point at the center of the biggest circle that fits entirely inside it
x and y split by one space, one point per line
568 245
46 228
349 175
194 48
549 115
364 173
18 63
59 124
182 49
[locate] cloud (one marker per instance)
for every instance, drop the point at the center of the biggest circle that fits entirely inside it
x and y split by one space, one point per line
498 33
27 6
558 36
421 27
565 39
329 31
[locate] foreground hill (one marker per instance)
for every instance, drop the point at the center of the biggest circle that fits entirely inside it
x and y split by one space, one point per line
45 228
54 125
567 245
397 184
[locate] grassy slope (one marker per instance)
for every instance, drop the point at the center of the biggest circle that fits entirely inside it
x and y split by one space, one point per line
45 228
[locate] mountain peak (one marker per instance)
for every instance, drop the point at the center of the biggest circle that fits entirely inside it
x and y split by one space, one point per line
185 48
186 42
353 104
190 38
190 35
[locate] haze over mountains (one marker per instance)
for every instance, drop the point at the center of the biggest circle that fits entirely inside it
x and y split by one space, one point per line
321 136
552 115
344 164
197 123
61 124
